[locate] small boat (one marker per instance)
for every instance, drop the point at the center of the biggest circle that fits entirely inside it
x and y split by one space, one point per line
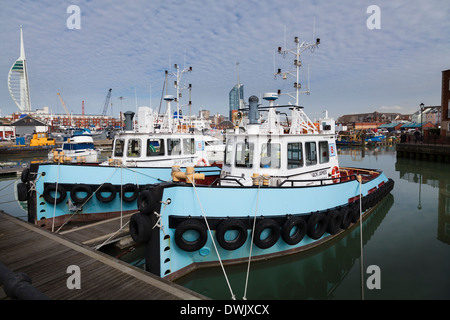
40 142
215 148
349 139
79 148
375 138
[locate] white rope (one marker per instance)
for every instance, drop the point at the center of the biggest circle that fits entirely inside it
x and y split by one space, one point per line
159 223
212 240
112 236
251 244
361 239
56 195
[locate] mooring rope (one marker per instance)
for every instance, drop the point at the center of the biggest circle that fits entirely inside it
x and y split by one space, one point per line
56 196
251 243
212 239
112 236
361 238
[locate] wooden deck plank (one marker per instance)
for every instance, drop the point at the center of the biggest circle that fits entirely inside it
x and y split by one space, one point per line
45 256
96 233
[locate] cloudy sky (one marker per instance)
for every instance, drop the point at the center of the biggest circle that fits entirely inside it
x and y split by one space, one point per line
127 46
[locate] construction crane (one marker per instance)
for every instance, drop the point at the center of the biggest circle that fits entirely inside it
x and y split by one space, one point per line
105 107
65 108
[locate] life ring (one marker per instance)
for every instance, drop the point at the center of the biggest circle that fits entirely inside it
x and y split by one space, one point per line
80 188
184 243
293 230
140 227
335 174
105 188
334 221
316 226
231 225
52 188
129 187
202 162
271 239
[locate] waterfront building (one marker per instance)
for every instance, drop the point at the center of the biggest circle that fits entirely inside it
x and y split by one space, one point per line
236 97
445 103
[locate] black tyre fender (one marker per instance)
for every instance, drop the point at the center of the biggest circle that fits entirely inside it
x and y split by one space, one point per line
25 174
186 245
106 187
129 187
262 225
346 217
354 212
22 191
286 231
227 225
316 226
140 227
80 188
143 202
52 187
334 221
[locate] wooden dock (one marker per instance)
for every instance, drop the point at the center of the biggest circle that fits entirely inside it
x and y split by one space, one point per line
45 257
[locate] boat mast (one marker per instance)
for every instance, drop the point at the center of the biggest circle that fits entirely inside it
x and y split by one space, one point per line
177 84
297 51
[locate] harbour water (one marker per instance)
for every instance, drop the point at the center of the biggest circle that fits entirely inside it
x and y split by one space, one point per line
407 237
406 241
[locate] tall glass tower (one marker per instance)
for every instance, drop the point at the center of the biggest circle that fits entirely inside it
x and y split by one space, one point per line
18 80
236 98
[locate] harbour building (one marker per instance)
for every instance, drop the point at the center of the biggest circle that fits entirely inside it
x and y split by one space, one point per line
236 98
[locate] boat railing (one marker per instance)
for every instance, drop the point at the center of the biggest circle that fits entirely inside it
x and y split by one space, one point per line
218 181
319 181
309 182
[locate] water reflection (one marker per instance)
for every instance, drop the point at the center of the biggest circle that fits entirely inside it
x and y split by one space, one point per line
312 275
436 175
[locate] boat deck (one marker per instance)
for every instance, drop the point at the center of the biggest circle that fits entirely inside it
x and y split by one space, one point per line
45 258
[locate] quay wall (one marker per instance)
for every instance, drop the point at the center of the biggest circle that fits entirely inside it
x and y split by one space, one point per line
429 152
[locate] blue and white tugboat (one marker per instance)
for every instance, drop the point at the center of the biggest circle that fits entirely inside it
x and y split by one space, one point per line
281 191
61 191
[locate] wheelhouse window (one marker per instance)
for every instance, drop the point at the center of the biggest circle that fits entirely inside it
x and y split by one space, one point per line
294 155
244 155
118 147
155 147
189 146
173 147
134 148
270 155
324 154
228 152
310 153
